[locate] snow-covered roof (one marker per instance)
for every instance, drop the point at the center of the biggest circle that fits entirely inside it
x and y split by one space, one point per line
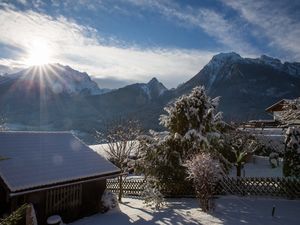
35 159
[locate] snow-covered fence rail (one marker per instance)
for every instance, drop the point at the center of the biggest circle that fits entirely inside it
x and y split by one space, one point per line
255 186
260 186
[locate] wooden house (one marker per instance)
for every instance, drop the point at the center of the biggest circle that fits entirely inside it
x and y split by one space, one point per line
277 108
54 171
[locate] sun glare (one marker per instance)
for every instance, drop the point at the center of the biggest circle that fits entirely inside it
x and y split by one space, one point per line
39 53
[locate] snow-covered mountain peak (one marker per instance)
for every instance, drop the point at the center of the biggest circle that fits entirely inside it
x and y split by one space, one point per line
276 63
225 57
153 81
58 79
218 64
156 87
153 88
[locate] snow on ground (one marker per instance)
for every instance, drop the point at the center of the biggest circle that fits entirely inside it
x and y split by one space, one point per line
259 167
230 210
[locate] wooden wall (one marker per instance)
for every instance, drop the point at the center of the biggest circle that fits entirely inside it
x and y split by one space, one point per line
71 202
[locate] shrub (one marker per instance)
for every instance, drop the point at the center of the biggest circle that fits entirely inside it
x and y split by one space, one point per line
205 172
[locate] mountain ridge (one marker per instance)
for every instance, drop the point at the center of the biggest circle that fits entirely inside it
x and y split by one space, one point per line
246 86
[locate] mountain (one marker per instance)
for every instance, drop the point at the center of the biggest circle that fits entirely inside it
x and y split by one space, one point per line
53 78
142 101
246 86
61 98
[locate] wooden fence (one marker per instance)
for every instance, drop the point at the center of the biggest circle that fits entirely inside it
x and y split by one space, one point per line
260 186
254 186
133 187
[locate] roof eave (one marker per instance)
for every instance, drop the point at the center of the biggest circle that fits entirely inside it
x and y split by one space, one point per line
64 184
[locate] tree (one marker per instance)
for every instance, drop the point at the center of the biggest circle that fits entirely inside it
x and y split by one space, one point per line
2 124
291 158
240 145
192 122
205 172
121 139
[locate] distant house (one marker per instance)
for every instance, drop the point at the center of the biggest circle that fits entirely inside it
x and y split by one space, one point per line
277 108
54 171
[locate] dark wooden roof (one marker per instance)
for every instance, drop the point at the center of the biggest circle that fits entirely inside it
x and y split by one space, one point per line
278 106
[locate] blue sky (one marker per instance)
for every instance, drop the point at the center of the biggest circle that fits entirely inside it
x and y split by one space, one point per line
133 40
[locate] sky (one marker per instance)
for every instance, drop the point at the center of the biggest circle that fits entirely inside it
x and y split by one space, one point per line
126 41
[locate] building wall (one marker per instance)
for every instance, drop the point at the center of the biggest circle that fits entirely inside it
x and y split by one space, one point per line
91 194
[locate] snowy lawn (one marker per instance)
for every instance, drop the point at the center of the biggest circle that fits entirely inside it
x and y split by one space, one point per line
230 210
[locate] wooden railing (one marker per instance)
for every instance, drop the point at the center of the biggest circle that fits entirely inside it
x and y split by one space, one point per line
254 186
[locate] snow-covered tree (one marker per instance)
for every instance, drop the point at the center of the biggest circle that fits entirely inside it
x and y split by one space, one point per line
2 124
205 172
239 146
121 140
192 123
152 195
291 159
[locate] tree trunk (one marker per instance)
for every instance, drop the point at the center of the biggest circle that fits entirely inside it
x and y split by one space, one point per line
120 188
238 169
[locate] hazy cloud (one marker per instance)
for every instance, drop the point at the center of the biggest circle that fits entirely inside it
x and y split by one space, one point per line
213 23
277 20
81 47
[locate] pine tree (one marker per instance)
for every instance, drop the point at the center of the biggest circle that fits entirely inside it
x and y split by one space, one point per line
191 122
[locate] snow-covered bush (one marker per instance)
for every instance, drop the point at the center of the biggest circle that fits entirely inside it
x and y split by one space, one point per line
274 159
291 159
152 195
108 201
192 123
204 171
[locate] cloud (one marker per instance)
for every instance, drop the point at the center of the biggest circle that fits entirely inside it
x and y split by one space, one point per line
279 21
223 30
83 48
24 2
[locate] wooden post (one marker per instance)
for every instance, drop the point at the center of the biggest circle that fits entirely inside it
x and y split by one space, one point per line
273 210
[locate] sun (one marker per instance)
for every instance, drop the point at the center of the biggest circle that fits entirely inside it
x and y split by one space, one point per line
38 53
